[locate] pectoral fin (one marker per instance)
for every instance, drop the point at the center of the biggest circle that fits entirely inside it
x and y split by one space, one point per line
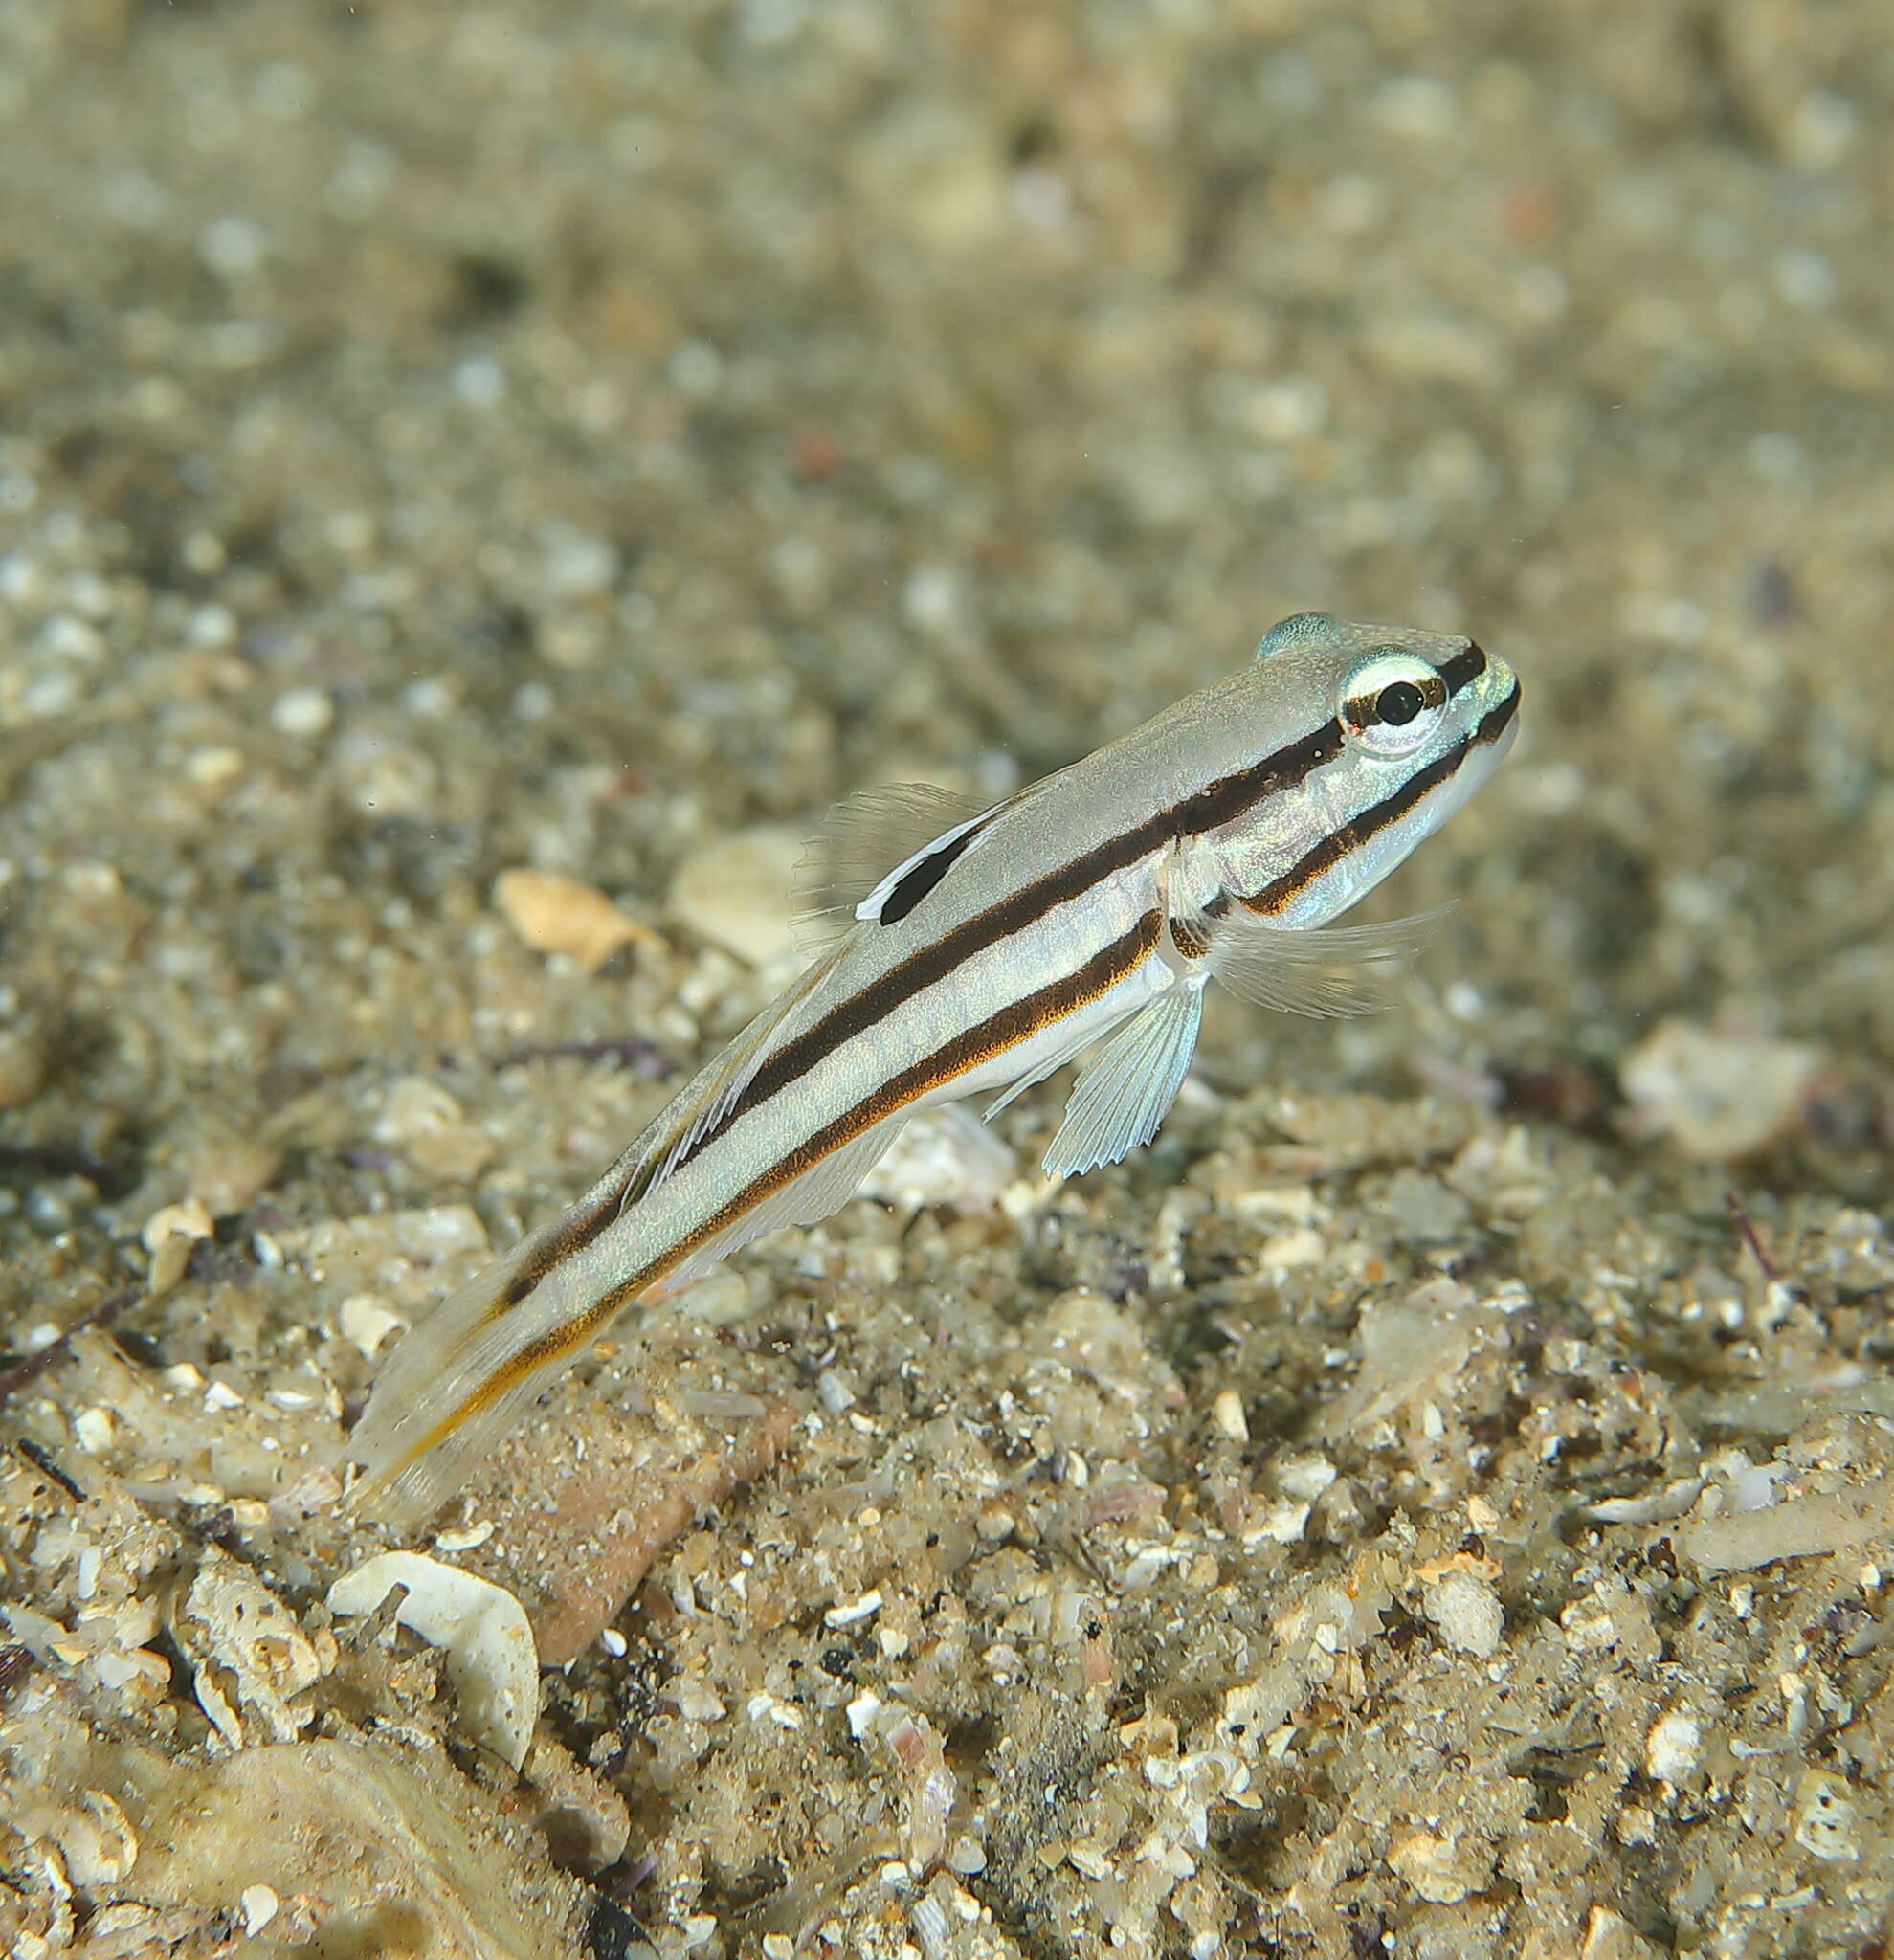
1334 970
1123 1091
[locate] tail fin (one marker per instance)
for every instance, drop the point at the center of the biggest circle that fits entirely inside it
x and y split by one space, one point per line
461 1379
458 1382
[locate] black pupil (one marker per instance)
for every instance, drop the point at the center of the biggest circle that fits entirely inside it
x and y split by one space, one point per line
1398 702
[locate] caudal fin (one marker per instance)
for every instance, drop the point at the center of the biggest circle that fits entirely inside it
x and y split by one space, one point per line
456 1383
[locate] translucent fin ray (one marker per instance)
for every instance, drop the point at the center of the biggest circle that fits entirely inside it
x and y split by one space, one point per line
1124 1092
434 1414
435 1368
1334 970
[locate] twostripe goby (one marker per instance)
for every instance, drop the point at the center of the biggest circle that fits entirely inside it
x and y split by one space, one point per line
981 950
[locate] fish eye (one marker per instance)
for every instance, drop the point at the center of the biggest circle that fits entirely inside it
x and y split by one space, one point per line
1392 702
1398 702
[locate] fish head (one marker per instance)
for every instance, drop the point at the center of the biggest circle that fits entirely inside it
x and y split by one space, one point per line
1416 722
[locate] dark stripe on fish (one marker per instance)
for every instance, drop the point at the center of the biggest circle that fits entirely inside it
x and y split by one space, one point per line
998 1033
1360 829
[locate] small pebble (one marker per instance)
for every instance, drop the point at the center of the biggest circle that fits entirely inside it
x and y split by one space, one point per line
22 1067
92 1429
1227 1412
1671 1749
302 713
1468 1614
739 892
432 1131
864 1608
480 381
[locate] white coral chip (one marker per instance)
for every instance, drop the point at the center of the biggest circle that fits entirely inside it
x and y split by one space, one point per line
250 1659
737 891
482 1628
1717 1094
1468 1613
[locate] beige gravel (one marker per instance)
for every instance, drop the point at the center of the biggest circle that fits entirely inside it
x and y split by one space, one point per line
475 483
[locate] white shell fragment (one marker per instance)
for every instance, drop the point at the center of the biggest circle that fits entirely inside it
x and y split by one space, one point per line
259 1904
169 1233
480 1627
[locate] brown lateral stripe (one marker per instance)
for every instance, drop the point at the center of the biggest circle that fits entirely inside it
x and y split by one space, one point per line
1218 803
994 1035
575 1232
1377 816
1188 940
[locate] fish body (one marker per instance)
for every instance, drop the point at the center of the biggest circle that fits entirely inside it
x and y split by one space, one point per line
980 950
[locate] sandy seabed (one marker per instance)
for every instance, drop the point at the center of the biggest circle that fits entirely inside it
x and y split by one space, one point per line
475 483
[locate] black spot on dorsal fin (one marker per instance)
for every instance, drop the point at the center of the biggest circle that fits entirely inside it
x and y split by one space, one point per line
922 878
872 840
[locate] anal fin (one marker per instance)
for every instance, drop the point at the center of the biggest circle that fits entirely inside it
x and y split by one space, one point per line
823 1189
1067 1051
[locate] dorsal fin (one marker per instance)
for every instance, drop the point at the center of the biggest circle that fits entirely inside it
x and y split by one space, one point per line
873 842
710 1096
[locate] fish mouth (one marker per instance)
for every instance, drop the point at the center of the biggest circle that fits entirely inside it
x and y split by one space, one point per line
1498 725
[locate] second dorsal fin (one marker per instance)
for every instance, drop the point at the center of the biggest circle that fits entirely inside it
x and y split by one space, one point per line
875 846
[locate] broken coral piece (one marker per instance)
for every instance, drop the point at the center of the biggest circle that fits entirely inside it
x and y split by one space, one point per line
353 1838
739 892
556 914
251 1661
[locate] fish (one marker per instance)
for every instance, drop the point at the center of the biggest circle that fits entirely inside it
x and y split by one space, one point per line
975 949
